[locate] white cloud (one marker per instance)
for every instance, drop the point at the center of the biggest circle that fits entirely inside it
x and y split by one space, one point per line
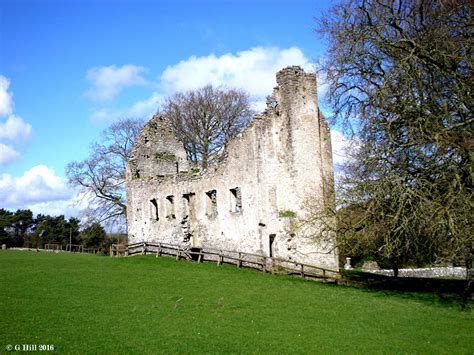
40 184
73 206
7 154
252 70
342 151
56 208
108 81
104 115
140 109
340 147
41 191
147 107
15 129
6 102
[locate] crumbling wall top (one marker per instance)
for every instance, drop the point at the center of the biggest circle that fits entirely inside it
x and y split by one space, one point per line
292 80
157 152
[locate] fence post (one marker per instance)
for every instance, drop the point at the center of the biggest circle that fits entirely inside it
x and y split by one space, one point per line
302 270
239 264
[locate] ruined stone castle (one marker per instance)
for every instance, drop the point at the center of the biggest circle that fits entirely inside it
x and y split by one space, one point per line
276 172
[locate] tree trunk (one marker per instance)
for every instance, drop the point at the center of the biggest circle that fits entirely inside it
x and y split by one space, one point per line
205 155
466 295
469 275
395 269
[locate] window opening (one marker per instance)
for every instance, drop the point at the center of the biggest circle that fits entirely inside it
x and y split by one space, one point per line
211 206
170 207
186 220
235 200
271 240
154 210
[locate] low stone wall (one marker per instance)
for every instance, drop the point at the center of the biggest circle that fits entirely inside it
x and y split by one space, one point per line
425 272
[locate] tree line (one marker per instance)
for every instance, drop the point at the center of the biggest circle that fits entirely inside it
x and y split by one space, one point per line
22 229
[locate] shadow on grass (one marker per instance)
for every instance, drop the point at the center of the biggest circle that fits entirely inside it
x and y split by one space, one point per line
443 292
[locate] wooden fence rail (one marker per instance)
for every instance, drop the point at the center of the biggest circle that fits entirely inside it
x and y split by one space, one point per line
220 256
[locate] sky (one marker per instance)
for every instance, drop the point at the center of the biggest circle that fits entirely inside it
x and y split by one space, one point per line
70 68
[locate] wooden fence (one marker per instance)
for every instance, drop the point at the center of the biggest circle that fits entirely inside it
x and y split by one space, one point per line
58 248
220 256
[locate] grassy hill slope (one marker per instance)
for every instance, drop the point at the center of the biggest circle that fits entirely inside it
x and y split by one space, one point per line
93 304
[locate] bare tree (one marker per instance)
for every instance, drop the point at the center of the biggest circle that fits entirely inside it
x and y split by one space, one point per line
400 74
205 119
101 177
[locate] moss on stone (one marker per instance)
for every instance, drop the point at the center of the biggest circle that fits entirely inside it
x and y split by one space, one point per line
287 214
165 156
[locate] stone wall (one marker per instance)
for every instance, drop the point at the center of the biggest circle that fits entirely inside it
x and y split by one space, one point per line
272 172
431 272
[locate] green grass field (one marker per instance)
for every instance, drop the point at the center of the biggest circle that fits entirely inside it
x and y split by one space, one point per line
93 304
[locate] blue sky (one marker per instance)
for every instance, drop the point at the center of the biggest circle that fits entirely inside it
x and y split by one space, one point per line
69 68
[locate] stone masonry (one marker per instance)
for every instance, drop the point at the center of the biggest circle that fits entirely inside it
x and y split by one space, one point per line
277 167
